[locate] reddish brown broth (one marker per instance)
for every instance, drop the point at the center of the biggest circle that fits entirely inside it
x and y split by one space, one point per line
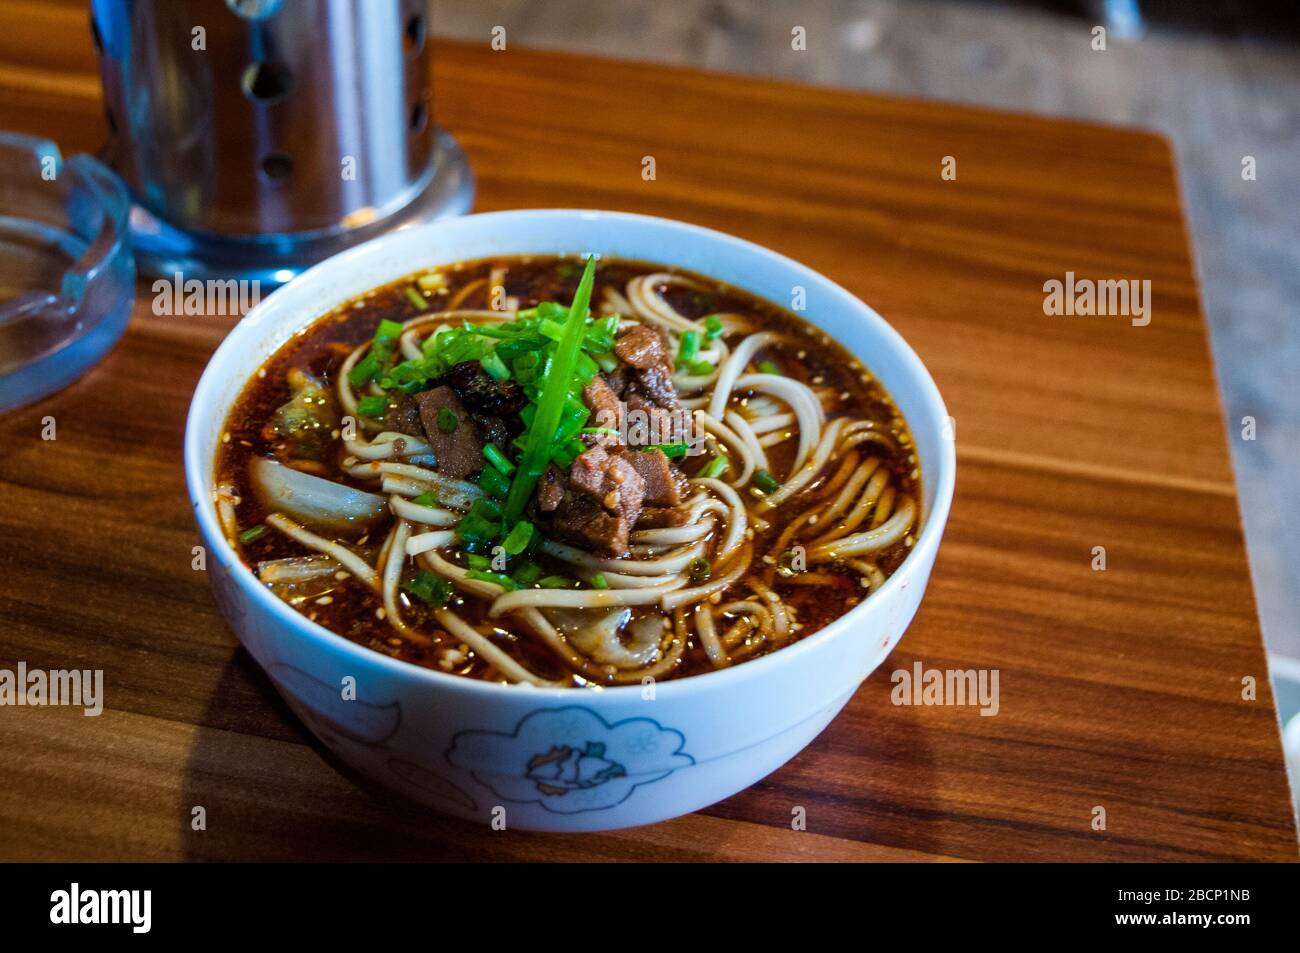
352 609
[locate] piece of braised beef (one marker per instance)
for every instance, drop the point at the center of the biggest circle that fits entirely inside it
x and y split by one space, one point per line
602 400
404 416
597 503
644 346
661 482
481 393
662 517
459 448
550 489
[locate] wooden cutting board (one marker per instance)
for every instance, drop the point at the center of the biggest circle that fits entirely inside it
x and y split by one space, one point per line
1120 689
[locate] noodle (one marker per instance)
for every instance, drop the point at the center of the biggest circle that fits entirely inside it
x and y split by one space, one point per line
794 471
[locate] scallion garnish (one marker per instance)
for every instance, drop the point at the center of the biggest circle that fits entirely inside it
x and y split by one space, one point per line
495 367
689 347
713 469
517 540
380 353
494 483
372 405
527 573
767 367
557 582
500 578
557 379
765 482
699 569
669 450
712 327
417 299
252 534
498 459
429 588
447 421
474 528
427 498
598 581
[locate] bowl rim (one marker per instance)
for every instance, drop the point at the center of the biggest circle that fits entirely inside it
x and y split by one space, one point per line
340 646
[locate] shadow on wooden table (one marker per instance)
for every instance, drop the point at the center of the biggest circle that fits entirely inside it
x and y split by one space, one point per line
270 791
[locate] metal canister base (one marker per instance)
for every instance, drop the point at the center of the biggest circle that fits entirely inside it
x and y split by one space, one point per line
163 250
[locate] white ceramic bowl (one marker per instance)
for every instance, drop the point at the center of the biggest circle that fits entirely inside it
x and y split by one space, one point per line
463 746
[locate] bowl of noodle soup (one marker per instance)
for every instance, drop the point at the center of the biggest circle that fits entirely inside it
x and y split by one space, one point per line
567 520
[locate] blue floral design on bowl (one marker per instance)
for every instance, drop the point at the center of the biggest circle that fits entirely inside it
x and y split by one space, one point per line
570 760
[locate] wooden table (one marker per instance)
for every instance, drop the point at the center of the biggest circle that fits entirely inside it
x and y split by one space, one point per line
1120 689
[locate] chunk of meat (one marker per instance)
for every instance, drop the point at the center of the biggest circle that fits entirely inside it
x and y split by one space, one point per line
404 416
550 489
492 429
662 517
648 423
602 400
610 479
585 523
644 346
647 386
661 485
600 501
655 384
618 379
481 393
460 451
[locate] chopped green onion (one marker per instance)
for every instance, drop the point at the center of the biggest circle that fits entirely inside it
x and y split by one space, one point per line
585 369
689 347
372 405
767 367
474 528
713 469
429 588
380 353
670 450
700 368
608 430
712 327
699 569
517 540
598 581
447 421
416 298
557 379
427 498
500 578
475 561
766 482
252 534
495 367
557 582
488 509
494 483
527 573
498 459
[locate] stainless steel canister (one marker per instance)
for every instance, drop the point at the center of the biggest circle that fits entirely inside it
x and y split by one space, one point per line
259 136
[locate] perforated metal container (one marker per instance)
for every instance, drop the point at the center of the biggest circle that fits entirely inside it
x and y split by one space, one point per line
259 136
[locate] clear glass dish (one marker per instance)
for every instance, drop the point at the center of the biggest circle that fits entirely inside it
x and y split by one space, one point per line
67 276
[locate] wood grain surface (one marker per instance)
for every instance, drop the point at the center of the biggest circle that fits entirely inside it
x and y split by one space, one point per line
1120 689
